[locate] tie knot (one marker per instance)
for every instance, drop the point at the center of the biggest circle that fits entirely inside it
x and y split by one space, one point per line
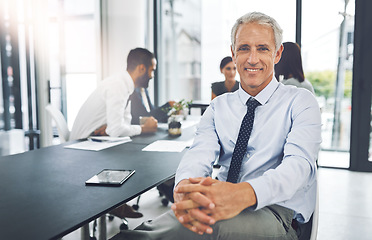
252 103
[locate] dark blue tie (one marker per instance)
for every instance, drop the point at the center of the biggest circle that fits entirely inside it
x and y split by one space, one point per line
242 142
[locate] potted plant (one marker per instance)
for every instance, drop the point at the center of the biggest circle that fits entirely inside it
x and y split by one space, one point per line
176 114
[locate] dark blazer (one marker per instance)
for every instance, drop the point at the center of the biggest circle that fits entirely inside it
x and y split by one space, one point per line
219 88
138 108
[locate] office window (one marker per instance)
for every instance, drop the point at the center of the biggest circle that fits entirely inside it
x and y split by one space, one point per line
195 36
327 51
73 54
179 49
219 16
18 104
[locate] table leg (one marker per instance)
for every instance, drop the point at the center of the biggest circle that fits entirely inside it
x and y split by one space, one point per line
84 232
102 227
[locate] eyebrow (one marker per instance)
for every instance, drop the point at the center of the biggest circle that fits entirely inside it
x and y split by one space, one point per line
259 45
263 45
243 45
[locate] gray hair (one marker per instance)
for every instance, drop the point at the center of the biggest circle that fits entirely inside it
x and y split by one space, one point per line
261 19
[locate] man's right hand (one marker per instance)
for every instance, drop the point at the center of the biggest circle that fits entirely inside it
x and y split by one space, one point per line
188 209
101 131
150 126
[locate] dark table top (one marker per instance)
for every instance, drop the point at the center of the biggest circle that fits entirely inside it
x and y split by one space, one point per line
43 193
162 134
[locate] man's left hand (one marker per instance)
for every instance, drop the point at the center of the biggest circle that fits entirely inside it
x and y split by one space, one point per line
229 199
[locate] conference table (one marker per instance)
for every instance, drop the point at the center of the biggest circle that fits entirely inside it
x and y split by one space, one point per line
43 193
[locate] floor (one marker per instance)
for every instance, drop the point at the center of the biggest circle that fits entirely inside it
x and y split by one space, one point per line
150 205
345 203
345 209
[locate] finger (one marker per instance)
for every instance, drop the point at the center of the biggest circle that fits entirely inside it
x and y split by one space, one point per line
201 228
178 197
190 227
184 205
187 188
208 181
207 211
182 216
196 180
201 200
201 217
185 218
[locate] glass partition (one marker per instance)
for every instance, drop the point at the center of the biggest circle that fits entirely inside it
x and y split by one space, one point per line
219 16
73 54
327 51
179 60
195 36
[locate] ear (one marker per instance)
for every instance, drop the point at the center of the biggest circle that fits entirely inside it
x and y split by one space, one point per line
233 55
278 54
141 69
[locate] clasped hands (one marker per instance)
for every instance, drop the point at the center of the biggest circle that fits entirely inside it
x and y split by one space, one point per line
201 202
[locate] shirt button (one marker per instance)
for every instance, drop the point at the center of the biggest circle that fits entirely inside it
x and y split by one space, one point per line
248 155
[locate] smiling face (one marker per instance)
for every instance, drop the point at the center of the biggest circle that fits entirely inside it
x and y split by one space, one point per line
255 56
229 70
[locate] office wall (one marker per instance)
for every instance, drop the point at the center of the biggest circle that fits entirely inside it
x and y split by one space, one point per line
124 27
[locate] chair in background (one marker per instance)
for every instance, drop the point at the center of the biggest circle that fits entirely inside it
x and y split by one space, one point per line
311 231
199 107
314 228
59 119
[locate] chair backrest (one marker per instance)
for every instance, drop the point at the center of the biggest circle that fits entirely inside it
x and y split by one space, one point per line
314 228
63 131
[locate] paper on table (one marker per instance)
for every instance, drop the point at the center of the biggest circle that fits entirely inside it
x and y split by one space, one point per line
99 143
166 146
189 142
108 139
163 126
188 123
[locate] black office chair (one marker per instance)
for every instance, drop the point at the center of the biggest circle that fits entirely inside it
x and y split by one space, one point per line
123 225
165 190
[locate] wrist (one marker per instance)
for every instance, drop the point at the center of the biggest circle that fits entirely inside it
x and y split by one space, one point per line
247 193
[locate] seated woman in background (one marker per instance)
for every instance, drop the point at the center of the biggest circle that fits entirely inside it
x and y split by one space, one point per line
289 69
228 69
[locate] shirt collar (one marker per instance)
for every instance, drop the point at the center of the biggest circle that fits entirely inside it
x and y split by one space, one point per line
263 96
129 81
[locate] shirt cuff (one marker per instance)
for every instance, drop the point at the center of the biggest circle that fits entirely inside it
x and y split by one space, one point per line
136 130
262 193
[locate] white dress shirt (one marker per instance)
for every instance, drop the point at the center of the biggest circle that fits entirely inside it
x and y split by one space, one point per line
108 104
282 149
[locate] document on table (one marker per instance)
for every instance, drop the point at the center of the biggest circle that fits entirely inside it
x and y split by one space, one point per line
99 143
189 123
166 146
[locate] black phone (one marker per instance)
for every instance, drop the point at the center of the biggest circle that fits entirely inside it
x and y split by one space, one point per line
110 177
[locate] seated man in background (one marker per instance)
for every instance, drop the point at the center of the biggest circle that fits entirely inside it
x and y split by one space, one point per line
267 136
141 105
107 109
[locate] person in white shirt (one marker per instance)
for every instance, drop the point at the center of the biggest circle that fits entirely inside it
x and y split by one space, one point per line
107 110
